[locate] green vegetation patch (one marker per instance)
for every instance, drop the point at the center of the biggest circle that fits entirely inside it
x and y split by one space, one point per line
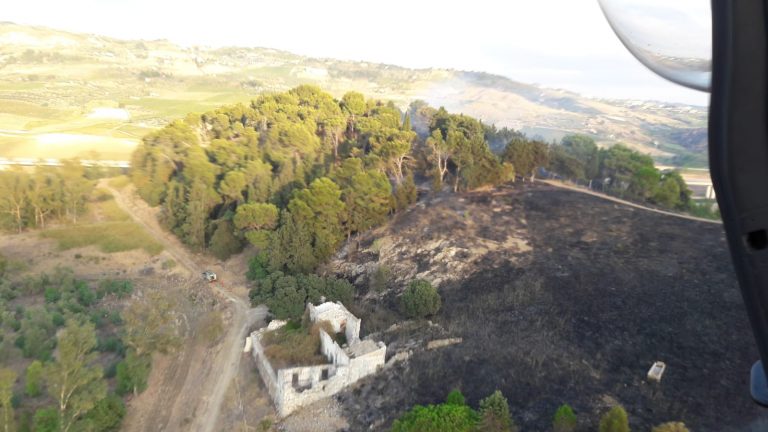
109 237
296 344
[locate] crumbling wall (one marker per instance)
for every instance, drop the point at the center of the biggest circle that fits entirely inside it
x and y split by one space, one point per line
367 364
266 371
292 388
339 317
352 329
309 385
332 351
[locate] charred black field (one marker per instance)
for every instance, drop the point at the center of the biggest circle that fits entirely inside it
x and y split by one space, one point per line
574 311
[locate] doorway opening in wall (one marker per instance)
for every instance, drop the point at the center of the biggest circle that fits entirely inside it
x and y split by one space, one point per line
324 375
295 380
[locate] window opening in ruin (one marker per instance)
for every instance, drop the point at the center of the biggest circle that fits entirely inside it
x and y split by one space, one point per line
324 375
295 381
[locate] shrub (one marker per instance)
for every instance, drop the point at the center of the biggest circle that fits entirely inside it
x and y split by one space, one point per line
132 374
295 344
565 419
33 377
380 278
420 299
223 242
406 193
257 267
52 295
455 398
46 420
437 418
494 414
670 427
107 414
615 420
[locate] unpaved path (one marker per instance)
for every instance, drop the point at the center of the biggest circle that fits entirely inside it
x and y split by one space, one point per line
186 388
621 201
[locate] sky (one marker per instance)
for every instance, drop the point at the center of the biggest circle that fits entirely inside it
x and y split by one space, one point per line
555 43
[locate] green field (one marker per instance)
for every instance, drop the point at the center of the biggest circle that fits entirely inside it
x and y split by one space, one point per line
108 237
105 226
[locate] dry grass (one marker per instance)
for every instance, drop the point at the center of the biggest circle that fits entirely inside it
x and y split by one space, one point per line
109 237
211 327
295 345
119 182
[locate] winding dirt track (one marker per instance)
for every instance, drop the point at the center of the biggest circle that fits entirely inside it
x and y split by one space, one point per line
210 393
621 201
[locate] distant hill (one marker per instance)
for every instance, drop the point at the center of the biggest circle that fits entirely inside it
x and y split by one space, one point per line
65 94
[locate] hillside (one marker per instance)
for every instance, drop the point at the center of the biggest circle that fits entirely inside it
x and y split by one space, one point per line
64 94
560 297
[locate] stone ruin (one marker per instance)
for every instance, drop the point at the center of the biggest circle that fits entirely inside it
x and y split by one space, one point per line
294 387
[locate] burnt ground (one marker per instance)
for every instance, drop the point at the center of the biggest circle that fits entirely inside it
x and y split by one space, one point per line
574 313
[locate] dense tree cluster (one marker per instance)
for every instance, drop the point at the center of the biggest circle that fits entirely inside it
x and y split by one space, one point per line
454 415
616 170
493 415
295 173
49 193
286 295
73 348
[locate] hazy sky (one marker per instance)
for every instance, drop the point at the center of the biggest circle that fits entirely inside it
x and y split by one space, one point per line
559 43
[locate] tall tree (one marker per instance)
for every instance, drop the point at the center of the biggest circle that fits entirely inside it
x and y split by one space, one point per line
7 380
151 324
14 185
366 194
494 414
74 380
319 208
441 152
257 220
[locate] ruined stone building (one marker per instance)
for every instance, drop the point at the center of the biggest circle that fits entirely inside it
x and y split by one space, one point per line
294 387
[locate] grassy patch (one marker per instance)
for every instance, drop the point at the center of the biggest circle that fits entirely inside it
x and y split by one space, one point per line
109 237
103 208
119 182
295 344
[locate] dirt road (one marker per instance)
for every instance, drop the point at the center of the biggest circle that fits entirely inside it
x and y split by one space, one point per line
202 396
621 201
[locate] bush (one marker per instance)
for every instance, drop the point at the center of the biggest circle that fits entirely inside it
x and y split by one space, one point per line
107 414
455 398
46 420
224 244
52 295
494 414
132 374
615 420
380 278
33 377
295 344
565 419
406 193
257 267
420 299
437 418
670 427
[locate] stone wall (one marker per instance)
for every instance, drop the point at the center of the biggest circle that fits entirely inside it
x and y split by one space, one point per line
292 388
332 351
339 317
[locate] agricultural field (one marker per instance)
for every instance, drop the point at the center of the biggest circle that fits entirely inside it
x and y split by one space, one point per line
73 95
